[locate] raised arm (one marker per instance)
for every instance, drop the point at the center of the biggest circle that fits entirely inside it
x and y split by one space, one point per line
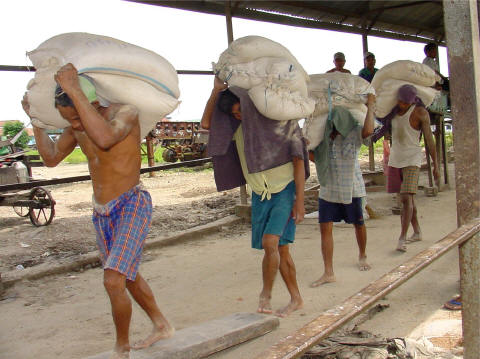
103 133
218 86
424 119
52 152
368 126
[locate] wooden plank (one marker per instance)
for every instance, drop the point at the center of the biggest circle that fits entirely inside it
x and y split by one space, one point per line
294 345
207 338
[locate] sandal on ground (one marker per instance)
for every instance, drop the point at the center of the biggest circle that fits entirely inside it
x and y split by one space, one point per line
454 304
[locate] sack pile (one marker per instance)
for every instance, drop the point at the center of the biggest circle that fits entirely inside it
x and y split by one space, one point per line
122 73
346 90
391 77
276 82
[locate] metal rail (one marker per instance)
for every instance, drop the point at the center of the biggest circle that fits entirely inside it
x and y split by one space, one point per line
32 69
30 185
292 346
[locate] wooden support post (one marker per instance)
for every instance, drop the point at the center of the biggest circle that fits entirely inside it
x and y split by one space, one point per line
371 148
228 19
150 154
462 33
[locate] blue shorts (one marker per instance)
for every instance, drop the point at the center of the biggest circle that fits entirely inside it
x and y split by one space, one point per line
336 212
274 216
122 226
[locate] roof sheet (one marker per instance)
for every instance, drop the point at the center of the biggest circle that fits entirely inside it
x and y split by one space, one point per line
420 21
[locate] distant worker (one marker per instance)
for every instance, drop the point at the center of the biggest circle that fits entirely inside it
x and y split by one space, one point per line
407 120
109 135
431 52
272 158
339 62
369 70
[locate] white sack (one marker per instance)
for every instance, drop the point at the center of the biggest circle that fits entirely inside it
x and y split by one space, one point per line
405 70
387 95
95 53
347 90
122 73
314 130
250 48
278 103
250 74
277 83
314 127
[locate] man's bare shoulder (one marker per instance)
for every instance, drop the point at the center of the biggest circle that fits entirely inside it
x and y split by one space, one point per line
121 112
420 112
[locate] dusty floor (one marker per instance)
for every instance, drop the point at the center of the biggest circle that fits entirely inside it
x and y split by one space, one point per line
68 316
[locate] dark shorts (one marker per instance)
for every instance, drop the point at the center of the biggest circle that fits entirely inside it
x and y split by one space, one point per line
273 216
122 226
336 212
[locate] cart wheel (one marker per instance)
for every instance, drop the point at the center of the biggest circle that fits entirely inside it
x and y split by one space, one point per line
22 211
43 215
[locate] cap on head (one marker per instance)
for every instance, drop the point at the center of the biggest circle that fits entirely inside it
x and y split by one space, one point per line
368 54
339 56
87 87
407 94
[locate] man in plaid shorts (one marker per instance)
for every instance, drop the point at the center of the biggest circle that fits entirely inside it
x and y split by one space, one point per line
410 120
109 135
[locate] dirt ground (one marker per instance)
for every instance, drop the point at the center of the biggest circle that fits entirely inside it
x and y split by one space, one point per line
68 316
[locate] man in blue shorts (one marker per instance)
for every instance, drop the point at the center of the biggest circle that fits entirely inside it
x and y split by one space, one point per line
109 136
341 184
271 157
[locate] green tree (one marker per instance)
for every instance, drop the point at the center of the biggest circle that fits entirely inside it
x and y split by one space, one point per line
11 128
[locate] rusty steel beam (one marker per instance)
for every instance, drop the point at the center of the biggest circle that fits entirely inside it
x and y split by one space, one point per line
32 69
294 345
30 185
462 33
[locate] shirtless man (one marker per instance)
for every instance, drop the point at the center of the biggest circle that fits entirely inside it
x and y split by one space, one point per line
110 139
410 121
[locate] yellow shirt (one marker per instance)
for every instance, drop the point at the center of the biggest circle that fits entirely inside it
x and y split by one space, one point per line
266 182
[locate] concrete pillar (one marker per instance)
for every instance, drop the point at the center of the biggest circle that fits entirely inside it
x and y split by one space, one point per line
462 33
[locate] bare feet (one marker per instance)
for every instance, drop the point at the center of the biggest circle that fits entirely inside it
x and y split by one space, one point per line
415 237
402 245
323 280
156 335
264 305
290 308
120 355
363 265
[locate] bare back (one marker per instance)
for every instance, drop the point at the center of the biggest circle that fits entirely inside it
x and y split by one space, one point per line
116 170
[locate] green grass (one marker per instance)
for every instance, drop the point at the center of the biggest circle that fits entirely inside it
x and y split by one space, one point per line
378 146
77 156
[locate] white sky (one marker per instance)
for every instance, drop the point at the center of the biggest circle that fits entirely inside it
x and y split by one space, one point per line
190 41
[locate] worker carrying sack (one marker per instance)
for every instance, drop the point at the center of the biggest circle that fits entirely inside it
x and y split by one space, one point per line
391 77
121 73
334 89
276 82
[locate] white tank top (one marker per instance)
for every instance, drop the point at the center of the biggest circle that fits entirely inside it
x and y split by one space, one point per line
406 150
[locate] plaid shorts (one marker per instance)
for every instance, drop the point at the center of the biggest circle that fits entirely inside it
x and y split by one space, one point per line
403 180
122 226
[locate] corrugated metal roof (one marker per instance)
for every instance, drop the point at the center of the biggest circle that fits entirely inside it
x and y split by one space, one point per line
420 21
